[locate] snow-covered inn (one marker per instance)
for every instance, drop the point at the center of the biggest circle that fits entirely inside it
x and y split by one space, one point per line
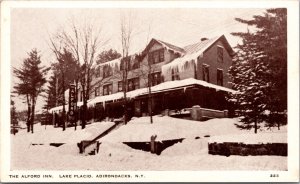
180 78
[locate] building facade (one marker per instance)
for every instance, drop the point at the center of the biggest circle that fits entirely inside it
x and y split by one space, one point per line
179 78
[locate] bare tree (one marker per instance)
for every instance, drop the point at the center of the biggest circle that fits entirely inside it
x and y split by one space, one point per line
146 73
126 31
84 42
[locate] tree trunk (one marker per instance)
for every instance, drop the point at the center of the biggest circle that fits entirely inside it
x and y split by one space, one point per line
28 114
125 107
150 105
255 126
83 115
125 94
32 116
64 101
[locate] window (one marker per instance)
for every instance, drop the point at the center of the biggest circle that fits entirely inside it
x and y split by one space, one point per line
107 71
150 58
161 55
107 89
205 72
134 64
220 54
97 91
120 86
97 71
156 56
155 78
220 77
175 74
133 84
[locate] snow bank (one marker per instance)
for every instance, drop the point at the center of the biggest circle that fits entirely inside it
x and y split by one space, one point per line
258 138
166 128
49 134
191 154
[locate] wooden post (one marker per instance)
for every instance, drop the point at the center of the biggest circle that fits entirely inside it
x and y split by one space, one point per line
196 113
225 113
167 112
153 148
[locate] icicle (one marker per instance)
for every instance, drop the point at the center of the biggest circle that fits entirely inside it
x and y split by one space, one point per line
113 63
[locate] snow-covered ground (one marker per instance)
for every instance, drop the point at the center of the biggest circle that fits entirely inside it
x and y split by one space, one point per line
191 154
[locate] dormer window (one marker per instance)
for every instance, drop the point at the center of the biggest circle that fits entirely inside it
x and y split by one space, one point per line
156 56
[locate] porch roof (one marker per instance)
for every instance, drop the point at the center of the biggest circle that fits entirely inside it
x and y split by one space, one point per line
166 86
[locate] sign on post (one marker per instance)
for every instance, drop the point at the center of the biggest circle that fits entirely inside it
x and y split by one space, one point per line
72 103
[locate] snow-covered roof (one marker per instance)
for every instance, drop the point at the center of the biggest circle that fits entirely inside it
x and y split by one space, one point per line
200 46
171 47
59 108
169 85
192 53
166 45
112 63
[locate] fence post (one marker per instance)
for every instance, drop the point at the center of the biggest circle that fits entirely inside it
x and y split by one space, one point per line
225 113
153 144
167 112
196 113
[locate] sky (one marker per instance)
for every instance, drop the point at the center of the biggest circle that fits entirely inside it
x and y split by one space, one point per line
31 27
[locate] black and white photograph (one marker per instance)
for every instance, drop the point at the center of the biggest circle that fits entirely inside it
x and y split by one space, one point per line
109 91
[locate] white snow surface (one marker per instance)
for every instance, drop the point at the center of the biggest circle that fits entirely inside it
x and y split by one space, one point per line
191 154
259 138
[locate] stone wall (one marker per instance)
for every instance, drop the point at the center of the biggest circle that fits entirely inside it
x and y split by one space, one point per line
231 148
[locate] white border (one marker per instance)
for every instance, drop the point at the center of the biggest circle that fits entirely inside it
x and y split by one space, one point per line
151 176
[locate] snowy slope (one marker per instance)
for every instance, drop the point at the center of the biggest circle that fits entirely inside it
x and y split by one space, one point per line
191 154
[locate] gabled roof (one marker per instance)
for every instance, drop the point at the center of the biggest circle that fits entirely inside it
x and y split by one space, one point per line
171 47
166 45
193 52
206 44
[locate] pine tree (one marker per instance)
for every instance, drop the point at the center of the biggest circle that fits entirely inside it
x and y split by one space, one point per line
107 55
13 116
32 78
51 92
259 71
64 74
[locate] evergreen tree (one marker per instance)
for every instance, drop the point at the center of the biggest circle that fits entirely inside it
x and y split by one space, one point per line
51 91
107 55
259 71
64 74
13 116
32 78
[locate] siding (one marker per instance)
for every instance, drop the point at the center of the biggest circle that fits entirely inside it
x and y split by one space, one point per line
210 58
168 57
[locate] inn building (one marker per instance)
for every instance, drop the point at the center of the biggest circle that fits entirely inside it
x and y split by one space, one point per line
180 77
